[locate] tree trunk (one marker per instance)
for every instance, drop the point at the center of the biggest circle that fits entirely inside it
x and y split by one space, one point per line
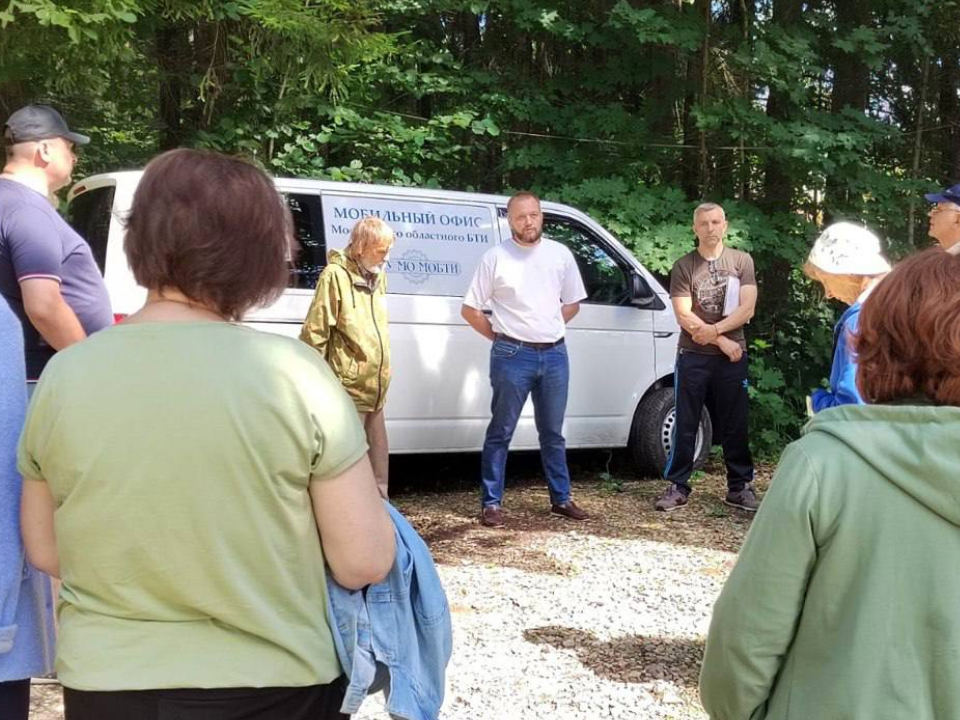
173 62
850 91
743 14
778 182
694 173
13 96
661 96
851 76
950 116
918 146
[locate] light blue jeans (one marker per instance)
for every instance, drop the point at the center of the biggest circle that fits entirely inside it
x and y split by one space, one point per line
517 371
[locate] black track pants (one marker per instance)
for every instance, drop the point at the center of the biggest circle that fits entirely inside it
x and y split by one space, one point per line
721 385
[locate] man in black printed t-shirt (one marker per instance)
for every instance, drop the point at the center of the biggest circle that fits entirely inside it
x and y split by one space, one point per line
714 293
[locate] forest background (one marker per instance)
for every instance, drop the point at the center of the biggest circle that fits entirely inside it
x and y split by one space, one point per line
791 114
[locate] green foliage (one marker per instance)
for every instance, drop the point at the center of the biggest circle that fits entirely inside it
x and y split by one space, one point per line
630 111
666 26
718 510
60 44
611 484
775 412
311 46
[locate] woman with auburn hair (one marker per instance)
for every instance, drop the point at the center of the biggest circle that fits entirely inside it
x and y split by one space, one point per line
188 478
843 603
347 324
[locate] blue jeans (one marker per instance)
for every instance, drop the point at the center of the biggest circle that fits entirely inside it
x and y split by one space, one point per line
516 371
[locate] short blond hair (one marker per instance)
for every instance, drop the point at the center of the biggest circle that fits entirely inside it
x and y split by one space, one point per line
369 232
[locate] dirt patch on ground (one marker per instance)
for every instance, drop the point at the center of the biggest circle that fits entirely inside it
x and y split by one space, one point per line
557 619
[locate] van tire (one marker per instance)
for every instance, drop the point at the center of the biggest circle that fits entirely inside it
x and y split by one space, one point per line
651 434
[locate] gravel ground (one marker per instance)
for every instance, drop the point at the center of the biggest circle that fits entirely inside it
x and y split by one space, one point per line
563 620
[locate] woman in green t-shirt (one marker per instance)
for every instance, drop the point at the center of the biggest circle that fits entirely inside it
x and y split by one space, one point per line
189 478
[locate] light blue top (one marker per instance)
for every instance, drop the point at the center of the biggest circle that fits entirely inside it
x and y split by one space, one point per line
26 605
395 636
843 374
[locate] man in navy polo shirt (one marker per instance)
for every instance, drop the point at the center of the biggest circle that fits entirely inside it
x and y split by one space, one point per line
47 271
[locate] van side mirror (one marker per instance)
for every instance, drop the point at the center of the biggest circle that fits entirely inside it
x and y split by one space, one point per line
641 294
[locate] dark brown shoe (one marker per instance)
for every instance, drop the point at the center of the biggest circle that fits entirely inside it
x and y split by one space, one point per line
570 510
491 516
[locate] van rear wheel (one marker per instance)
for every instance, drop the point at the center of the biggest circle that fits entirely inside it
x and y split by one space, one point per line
651 435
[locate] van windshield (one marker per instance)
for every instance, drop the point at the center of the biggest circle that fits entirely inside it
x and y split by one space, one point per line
89 214
310 250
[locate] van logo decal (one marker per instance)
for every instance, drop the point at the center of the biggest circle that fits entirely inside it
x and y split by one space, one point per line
416 267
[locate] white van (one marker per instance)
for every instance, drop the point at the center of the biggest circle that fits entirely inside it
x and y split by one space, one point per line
621 345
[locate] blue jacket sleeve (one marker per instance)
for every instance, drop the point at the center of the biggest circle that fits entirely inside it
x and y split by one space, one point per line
13 402
843 374
11 558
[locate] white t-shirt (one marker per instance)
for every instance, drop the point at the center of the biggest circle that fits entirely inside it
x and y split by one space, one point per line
525 287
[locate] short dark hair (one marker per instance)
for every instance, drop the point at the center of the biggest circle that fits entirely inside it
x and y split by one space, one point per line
211 226
8 143
908 338
521 195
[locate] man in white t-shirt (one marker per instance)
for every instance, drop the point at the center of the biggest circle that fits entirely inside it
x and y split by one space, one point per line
532 287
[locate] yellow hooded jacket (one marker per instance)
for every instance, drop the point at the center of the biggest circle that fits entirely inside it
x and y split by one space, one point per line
347 324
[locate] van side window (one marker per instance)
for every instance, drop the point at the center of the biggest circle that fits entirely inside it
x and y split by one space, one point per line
310 249
89 214
604 278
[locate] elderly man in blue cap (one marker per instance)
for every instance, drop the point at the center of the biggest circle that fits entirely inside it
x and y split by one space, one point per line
945 218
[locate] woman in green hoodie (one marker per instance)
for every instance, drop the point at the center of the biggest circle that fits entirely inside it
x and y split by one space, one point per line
843 603
347 324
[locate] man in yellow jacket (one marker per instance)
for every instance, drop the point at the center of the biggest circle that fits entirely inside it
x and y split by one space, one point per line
347 324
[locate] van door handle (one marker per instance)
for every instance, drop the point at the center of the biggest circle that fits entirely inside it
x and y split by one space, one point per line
662 334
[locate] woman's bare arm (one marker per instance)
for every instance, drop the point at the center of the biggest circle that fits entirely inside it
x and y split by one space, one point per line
36 527
355 529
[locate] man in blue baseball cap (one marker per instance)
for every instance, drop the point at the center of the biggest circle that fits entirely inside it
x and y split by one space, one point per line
47 272
945 218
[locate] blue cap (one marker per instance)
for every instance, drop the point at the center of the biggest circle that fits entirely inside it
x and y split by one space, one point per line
951 194
41 122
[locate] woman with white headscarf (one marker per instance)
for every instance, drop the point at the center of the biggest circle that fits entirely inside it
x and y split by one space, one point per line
847 260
